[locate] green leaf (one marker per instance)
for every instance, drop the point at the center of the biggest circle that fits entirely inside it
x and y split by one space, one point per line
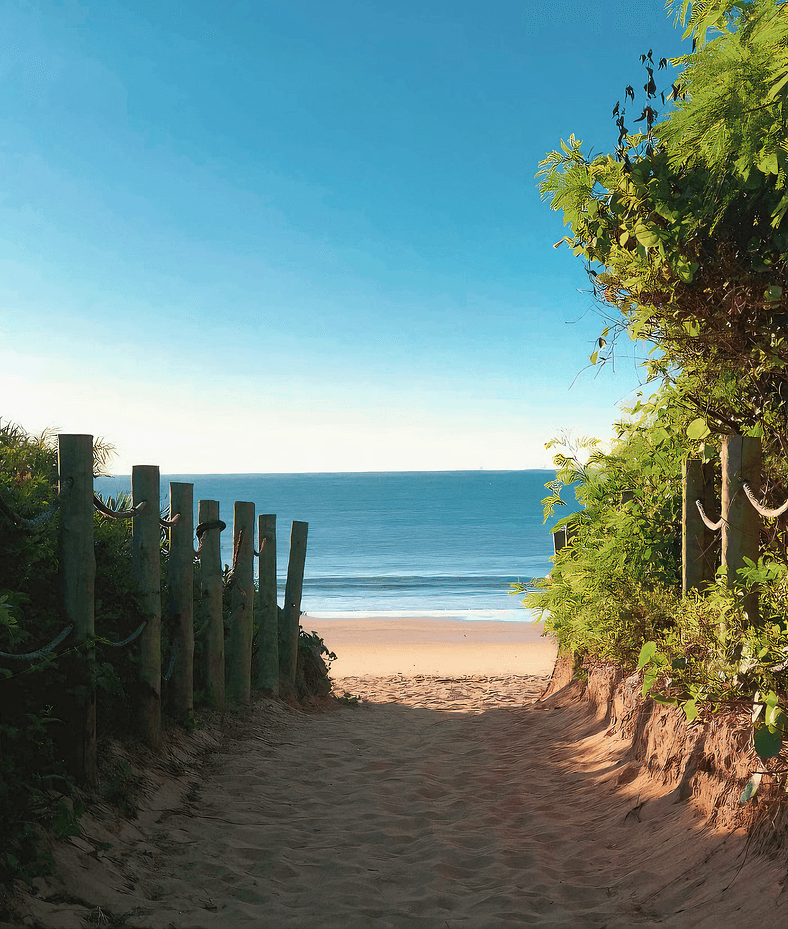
686 270
769 164
690 710
637 327
768 742
664 701
594 358
750 790
649 680
774 717
647 653
779 721
648 236
698 429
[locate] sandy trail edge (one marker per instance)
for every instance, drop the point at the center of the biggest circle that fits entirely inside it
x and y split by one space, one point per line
435 802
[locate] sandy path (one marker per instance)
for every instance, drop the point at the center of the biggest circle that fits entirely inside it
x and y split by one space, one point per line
433 803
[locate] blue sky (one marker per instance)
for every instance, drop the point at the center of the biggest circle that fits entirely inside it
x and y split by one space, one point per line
302 236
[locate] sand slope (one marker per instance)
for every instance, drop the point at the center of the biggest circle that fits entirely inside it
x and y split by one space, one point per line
433 803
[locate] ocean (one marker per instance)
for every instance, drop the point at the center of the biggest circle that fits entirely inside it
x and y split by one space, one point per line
428 543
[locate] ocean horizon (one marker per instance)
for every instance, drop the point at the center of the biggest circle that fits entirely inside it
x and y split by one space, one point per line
438 544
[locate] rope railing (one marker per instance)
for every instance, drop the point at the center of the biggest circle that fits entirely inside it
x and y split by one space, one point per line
102 507
764 511
706 521
41 652
36 523
219 524
167 677
137 632
202 528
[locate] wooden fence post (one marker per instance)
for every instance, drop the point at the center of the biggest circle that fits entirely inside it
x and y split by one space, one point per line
696 566
293 589
268 636
181 580
146 561
78 572
239 640
741 529
211 601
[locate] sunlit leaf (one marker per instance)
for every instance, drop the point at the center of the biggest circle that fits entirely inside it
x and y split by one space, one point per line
690 710
647 653
698 429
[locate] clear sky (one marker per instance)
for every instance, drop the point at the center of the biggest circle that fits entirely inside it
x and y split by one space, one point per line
292 235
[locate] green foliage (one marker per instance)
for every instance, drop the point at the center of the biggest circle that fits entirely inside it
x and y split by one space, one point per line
730 117
307 640
684 227
684 231
614 592
614 585
34 693
313 666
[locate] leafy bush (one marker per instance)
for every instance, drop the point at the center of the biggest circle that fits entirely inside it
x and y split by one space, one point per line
35 693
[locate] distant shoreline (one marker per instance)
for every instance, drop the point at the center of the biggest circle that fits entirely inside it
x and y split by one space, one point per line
461 616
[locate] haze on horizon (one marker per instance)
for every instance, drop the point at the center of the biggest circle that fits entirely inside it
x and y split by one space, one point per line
305 237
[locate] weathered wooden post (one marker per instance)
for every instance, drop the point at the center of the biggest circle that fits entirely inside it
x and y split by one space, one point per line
741 529
146 561
696 540
211 600
238 661
181 580
268 636
293 589
78 573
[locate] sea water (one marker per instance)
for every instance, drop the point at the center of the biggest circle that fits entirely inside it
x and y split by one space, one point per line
427 543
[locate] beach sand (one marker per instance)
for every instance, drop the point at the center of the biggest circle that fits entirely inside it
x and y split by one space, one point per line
448 648
447 797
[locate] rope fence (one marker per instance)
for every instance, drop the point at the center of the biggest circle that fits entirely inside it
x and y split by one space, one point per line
759 508
740 524
127 641
99 504
713 527
189 613
41 652
37 523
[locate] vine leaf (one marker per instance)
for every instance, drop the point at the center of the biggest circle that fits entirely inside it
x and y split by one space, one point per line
768 742
698 429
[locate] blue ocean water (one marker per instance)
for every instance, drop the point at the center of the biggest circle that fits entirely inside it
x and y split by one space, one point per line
411 543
